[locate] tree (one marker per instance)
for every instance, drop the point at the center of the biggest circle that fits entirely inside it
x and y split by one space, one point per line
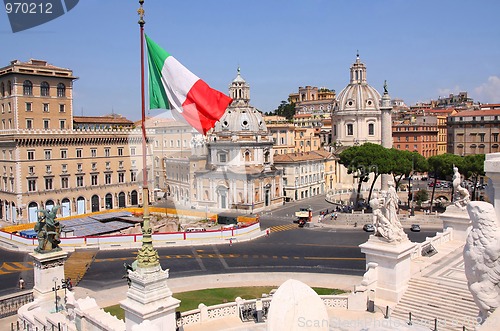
473 168
421 196
442 166
365 159
407 162
285 109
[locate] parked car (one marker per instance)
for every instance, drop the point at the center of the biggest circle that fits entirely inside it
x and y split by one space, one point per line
415 228
369 228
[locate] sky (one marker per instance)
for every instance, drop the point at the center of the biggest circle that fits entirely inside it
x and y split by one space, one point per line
425 49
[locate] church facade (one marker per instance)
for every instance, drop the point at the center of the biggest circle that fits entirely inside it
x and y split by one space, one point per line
240 173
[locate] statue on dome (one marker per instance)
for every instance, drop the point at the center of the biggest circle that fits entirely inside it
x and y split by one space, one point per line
385 87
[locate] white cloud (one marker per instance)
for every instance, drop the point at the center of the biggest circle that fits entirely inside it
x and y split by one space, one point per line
488 92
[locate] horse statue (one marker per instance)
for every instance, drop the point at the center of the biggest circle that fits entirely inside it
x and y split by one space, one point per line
48 230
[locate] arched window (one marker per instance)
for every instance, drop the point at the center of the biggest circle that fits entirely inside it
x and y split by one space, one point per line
27 88
9 88
61 90
350 129
44 89
2 89
371 129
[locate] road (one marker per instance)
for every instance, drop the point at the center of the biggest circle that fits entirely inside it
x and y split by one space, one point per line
321 250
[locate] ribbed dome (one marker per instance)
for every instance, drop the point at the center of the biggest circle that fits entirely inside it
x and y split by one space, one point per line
237 120
240 117
358 95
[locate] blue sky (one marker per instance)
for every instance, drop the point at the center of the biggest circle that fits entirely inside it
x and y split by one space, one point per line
424 49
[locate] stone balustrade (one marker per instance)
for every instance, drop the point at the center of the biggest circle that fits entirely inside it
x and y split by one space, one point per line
436 241
204 314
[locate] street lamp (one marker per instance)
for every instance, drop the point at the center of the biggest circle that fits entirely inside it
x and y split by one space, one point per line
55 289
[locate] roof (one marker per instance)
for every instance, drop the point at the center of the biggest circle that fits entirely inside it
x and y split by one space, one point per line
483 112
304 156
116 119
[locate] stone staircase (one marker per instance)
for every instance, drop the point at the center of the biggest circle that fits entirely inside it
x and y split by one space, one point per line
440 293
78 263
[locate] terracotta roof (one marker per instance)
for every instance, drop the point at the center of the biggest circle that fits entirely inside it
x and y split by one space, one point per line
489 105
297 157
102 119
484 112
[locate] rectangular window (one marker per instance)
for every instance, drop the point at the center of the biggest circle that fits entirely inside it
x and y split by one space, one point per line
79 167
120 164
48 154
93 179
108 165
495 137
79 181
31 185
107 152
48 183
62 109
48 169
222 158
120 151
31 155
64 167
121 177
79 152
45 107
64 153
132 151
64 182
31 170
350 129
107 179
29 123
62 124
133 176
46 124
94 166
29 106
93 152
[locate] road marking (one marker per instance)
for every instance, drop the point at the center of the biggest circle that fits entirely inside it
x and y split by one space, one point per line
285 227
198 259
221 259
334 258
318 245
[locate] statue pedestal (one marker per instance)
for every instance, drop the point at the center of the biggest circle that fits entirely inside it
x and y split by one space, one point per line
48 271
393 266
458 219
149 298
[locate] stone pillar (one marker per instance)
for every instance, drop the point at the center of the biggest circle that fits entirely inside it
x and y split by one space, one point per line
149 298
458 219
492 170
48 269
393 266
386 130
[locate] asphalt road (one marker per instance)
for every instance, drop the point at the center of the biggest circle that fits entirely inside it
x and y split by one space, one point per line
320 250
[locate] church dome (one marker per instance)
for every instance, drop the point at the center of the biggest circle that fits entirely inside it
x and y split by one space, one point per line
240 117
358 95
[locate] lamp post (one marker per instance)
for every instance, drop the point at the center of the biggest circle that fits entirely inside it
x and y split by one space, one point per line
55 289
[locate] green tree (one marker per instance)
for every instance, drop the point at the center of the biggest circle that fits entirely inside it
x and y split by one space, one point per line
421 196
406 163
365 159
442 166
285 109
473 168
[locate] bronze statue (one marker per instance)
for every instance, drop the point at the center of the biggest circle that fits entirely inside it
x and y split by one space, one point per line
48 230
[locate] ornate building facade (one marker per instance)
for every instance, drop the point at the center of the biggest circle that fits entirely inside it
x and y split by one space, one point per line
240 172
44 161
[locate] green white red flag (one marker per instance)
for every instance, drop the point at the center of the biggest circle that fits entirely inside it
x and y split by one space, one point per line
172 86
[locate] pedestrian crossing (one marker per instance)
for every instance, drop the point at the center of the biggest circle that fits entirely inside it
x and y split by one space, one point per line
12 267
285 227
78 263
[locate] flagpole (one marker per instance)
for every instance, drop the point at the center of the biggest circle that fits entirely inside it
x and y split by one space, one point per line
147 255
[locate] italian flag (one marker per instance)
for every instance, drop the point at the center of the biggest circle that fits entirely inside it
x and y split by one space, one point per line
172 86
